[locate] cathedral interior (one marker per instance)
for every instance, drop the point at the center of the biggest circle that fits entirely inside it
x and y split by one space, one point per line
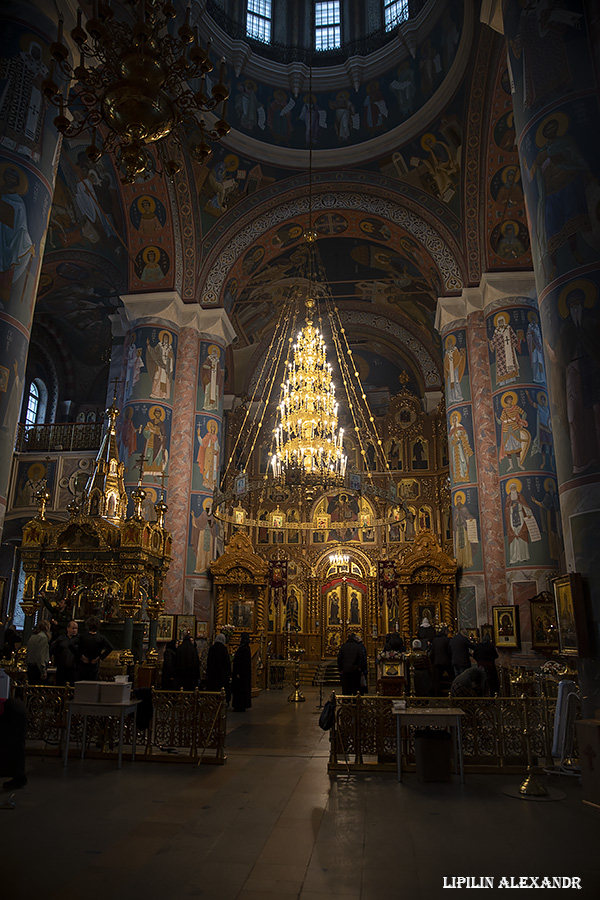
400 198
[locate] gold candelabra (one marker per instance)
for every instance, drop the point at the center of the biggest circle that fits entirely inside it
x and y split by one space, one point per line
307 439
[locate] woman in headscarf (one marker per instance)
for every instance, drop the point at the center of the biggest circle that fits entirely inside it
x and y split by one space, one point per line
241 686
187 664
168 681
218 667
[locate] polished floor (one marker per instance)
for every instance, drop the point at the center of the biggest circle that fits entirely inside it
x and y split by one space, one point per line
273 825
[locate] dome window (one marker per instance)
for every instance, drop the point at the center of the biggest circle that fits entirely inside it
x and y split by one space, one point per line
258 20
394 12
327 25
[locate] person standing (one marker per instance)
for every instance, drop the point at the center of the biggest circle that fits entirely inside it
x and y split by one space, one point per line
218 667
439 655
168 678
459 647
187 664
38 653
351 664
485 655
64 658
425 632
13 730
89 649
420 669
241 684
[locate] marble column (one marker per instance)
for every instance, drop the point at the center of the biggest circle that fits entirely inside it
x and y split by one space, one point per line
533 545
29 149
149 373
472 453
500 445
554 73
163 368
205 541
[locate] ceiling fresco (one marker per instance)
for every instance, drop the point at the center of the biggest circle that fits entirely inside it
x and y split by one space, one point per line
332 119
391 236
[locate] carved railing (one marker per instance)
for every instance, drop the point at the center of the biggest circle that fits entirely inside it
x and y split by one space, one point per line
494 731
61 436
190 724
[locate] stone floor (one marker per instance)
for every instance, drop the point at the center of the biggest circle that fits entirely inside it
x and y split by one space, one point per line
273 825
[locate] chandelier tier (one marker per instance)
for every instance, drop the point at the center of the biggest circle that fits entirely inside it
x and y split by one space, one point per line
133 83
308 443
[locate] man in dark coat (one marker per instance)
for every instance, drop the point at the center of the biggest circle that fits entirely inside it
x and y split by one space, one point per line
352 663
459 652
241 684
439 654
187 664
90 648
64 658
485 655
218 667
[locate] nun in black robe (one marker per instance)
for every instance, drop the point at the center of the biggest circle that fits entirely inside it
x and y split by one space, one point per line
241 684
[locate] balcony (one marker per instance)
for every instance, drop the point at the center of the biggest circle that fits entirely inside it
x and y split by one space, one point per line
55 437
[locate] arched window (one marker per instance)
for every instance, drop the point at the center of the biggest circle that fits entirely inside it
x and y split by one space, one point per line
32 404
37 402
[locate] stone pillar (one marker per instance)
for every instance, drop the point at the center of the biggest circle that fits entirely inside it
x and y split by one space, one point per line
164 362
29 148
532 530
472 451
554 78
500 446
205 533
148 388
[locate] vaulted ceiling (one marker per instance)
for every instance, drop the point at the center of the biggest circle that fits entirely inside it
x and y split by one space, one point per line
414 192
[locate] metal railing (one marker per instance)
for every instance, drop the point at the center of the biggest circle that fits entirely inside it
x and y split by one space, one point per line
58 437
189 724
494 731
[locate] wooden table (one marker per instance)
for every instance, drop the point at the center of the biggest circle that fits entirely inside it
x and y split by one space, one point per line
102 709
431 716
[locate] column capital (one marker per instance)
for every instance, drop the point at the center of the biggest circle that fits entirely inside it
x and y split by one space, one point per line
452 312
213 324
491 14
507 286
494 288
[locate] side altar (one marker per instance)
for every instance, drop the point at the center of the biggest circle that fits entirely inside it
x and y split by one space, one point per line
99 562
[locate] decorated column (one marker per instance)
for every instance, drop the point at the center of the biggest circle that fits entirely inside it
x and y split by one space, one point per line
29 148
204 542
471 450
148 390
173 372
507 532
554 71
533 545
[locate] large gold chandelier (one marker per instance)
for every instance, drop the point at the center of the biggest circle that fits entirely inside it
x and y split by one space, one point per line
133 85
309 445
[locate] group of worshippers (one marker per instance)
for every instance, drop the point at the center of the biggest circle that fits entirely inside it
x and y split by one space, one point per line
181 669
77 657
439 661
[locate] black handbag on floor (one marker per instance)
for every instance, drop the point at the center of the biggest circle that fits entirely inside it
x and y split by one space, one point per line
327 715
